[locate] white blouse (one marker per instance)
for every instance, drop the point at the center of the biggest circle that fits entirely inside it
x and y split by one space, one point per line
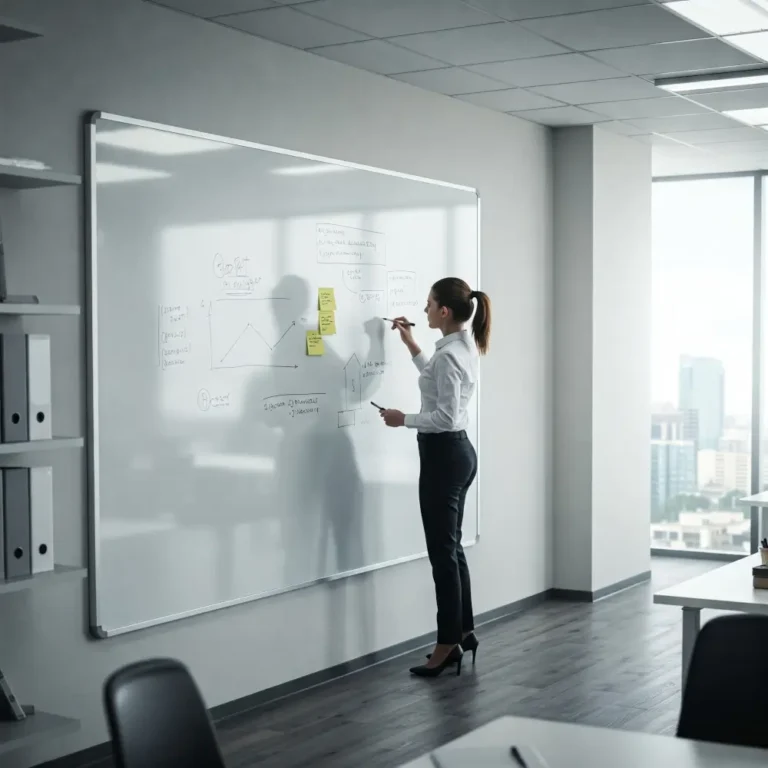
447 383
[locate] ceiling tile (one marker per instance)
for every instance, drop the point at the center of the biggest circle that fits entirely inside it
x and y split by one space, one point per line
749 98
289 27
674 57
377 56
398 17
614 28
613 89
741 147
755 43
722 135
560 116
667 106
450 81
207 9
515 10
568 68
722 17
708 122
510 100
474 45
623 129
659 140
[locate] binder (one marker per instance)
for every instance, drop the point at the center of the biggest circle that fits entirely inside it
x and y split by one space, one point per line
41 516
13 387
16 519
39 386
10 709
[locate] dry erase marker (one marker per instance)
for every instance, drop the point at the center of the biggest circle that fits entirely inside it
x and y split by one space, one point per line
377 406
389 320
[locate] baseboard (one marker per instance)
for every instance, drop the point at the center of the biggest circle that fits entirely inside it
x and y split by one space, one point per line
98 753
583 596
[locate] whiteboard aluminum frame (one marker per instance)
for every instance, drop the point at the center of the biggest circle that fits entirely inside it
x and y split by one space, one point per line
92 351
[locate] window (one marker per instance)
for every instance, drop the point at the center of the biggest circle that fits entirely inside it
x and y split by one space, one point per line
702 358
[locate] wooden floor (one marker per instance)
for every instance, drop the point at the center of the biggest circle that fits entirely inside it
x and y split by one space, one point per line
615 663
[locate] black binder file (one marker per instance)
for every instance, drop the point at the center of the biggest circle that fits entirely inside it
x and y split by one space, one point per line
14 410
16 523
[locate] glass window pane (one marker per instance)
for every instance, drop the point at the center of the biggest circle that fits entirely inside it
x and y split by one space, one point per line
702 364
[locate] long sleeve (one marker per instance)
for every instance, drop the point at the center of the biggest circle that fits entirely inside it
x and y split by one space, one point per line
444 418
420 361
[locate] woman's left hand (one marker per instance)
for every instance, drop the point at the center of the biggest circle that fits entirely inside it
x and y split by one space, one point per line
393 418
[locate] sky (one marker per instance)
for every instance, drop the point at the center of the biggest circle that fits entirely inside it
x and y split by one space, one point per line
702 284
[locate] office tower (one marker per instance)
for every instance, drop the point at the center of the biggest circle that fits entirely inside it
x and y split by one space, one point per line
675 425
702 389
673 472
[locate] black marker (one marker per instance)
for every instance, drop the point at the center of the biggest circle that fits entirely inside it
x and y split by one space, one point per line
400 322
377 406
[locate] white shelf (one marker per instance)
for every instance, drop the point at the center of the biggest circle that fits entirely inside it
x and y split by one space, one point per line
60 573
33 729
11 30
39 309
57 443
13 177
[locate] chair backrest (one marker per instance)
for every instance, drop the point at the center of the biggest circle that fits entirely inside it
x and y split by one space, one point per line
725 693
157 717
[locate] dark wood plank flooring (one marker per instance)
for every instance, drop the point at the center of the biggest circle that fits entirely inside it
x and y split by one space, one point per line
615 663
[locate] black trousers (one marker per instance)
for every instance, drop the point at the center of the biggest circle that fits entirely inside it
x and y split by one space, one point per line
448 468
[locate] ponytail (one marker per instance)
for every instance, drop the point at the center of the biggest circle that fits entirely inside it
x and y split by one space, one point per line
481 323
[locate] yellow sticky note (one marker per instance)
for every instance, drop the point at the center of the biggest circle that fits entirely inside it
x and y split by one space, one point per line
315 345
326 300
327 323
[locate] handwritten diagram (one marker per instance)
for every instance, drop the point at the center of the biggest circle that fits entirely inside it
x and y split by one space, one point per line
353 394
243 335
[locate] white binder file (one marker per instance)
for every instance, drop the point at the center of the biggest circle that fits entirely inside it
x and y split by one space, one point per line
39 386
41 513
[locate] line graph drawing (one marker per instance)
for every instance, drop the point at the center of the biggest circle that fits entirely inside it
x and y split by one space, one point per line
246 333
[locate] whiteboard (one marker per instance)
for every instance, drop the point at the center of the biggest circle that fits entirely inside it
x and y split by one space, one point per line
226 464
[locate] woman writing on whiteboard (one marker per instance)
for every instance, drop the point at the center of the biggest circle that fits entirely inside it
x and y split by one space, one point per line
448 460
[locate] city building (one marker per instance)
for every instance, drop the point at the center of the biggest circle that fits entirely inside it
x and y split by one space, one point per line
673 473
716 530
702 389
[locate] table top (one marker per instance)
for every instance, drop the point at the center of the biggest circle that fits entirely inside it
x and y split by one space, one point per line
725 589
563 745
758 500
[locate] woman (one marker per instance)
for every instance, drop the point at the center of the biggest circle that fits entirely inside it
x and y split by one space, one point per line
448 461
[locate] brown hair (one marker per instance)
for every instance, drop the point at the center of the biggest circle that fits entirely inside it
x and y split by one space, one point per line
456 295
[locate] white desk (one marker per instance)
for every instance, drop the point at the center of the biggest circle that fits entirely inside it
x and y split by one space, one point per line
725 589
563 745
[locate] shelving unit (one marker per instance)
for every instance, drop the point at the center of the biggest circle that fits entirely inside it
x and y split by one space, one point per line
35 446
39 309
35 728
13 177
40 726
11 31
60 573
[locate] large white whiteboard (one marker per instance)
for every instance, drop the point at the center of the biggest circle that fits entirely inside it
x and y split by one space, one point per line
225 464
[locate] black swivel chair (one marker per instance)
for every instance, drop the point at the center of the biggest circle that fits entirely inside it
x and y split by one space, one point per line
157 717
725 697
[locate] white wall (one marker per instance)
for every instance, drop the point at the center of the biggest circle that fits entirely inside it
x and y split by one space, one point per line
140 60
621 395
602 298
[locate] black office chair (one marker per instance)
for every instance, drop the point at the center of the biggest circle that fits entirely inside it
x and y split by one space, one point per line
157 717
725 693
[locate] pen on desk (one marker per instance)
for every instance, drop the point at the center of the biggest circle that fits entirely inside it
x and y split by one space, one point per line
764 543
390 320
517 757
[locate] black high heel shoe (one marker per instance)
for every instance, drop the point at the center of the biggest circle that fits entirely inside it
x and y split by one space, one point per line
425 671
469 645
